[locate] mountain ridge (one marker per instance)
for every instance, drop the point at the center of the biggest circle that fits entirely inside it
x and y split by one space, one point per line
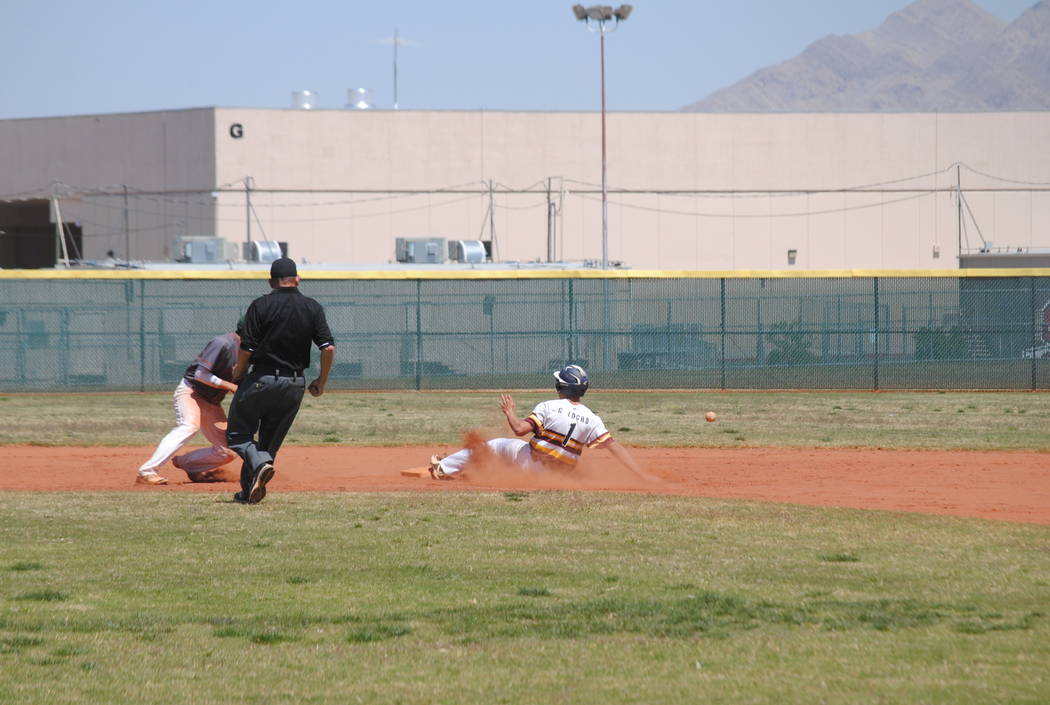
947 55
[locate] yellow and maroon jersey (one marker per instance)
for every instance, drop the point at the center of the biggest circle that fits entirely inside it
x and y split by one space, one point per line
563 429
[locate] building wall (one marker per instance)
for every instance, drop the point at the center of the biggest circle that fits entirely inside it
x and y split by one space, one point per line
156 151
774 183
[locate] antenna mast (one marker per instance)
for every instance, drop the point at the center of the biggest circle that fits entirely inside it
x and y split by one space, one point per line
396 42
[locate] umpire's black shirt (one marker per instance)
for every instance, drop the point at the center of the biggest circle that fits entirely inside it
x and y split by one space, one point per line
279 327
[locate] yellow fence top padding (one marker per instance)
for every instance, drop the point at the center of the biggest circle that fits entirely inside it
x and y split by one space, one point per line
461 274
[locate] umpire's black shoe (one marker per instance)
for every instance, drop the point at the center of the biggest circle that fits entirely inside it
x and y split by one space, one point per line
258 489
242 496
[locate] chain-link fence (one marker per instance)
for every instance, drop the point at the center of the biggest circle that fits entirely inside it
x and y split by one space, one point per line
969 332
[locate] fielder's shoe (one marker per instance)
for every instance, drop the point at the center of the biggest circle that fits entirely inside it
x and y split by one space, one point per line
435 468
258 489
151 478
214 475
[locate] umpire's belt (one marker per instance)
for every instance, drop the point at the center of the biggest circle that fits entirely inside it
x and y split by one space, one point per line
276 371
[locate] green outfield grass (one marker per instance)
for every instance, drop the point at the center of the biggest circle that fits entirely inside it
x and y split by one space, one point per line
978 420
513 597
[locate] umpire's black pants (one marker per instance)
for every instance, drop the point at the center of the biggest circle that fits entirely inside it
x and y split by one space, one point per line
267 404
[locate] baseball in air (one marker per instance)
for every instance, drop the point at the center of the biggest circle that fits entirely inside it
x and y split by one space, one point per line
710 416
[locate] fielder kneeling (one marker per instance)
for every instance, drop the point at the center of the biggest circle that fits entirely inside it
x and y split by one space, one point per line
198 407
561 428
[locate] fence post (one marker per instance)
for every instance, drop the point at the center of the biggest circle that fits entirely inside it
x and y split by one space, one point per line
419 333
63 345
605 323
21 336
1036 333
572 323
722 308
875 377
142 336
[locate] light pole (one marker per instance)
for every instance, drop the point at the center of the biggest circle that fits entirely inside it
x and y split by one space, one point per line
598 18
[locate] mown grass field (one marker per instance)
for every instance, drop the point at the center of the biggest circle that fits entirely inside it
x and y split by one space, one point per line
976 420
513 598
523 597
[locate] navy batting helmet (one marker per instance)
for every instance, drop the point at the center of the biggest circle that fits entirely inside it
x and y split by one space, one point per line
571 380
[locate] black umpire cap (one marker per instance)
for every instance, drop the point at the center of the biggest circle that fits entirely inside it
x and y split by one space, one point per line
283 267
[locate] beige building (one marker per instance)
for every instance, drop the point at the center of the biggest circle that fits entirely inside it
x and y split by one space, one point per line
687 191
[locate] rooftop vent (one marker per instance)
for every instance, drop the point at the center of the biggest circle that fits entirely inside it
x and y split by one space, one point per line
467 251
359 99
305 100
264 251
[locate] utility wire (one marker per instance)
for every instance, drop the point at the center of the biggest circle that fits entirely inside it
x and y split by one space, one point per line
521 208
973 218
478 188
393 195
761 192
1002 178
251 207
204 218
798 214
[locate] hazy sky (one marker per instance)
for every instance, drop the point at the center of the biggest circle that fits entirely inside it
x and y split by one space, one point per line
69 57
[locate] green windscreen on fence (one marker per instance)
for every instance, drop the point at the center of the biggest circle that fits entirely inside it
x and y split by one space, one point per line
836 332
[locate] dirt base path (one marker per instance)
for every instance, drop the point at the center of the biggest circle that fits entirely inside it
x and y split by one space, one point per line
1009 486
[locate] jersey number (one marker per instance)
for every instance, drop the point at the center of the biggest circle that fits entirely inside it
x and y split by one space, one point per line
568 436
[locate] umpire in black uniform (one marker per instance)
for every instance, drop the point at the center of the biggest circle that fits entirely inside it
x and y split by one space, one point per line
278 330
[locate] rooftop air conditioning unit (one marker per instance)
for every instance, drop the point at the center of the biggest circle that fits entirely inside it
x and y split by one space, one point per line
199 249
263 251
427 250
466 251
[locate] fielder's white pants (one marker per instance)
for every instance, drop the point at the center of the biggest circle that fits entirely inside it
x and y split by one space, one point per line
510 450
192 414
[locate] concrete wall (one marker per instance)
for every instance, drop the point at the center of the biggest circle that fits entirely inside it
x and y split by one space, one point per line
374 153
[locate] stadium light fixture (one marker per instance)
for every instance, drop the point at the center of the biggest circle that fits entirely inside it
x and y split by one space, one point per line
598 19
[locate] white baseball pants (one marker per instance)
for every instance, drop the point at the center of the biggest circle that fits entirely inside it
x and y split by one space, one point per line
510 450
192 414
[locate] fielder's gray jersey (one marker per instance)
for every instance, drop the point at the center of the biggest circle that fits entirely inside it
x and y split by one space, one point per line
218 357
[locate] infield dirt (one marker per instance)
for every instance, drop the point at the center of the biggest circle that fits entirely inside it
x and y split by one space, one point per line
1002 485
